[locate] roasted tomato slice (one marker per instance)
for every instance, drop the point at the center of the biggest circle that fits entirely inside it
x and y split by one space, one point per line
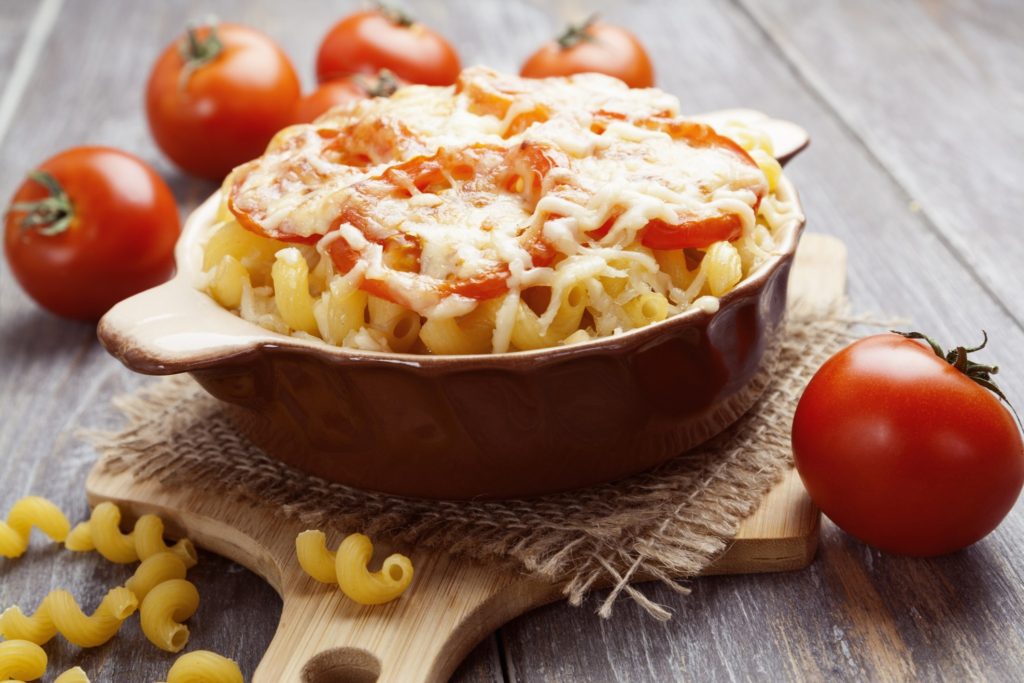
696 233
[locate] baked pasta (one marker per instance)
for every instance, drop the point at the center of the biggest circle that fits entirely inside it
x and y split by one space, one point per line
499 214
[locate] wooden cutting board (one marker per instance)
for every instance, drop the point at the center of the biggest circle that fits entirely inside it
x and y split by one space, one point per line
452 603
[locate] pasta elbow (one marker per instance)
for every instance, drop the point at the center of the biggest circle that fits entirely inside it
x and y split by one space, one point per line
165 608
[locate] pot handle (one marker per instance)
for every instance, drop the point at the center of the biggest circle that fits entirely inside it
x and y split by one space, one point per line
788 139
161 331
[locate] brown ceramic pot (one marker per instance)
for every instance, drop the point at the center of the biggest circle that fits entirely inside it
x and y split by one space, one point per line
490 426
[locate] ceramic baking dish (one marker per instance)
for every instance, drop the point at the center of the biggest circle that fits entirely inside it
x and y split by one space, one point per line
499 425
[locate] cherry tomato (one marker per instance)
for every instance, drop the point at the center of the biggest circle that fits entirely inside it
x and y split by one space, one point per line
384 38
593 46
217 96
907 448
347 89
89 227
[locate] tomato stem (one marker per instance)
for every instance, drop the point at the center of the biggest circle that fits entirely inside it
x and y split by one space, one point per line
394 15
384 85
577 33
958 358
50 215
198 51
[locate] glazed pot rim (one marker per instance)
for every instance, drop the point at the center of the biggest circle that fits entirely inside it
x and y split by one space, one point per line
148 331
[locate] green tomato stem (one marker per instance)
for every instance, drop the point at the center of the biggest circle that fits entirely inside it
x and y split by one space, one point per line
577 33
197 52
958 358
50 215
394 15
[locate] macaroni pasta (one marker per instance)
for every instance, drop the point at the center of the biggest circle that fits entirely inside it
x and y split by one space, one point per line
103 533
21 660
155 570
348 567
166 606
60 613
203 666
73 675
499 214
31 511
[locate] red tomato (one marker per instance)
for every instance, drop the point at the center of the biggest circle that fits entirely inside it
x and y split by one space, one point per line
658 234
384 38
90 226
593 46
348 89
217 96
905 448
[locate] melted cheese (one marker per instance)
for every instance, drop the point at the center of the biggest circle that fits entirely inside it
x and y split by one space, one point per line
542 183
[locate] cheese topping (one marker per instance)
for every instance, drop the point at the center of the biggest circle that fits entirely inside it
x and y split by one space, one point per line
480 176
500 213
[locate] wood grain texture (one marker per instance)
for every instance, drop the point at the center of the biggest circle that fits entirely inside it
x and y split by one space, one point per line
934 91
856 614
322 635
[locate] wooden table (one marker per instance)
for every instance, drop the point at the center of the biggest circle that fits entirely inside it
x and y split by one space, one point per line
915 109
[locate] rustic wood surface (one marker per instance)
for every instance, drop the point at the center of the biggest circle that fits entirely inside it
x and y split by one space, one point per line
915 111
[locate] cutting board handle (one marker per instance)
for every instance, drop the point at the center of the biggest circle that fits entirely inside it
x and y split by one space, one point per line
323 637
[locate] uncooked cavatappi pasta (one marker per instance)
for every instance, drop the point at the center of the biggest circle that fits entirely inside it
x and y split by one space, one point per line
499 214
157 590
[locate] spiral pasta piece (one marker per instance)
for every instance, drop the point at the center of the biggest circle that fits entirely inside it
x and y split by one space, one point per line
203 666
28 512
165 608
149 540
314 557
75 675
153 571
21 660
103 533
60 613
350 569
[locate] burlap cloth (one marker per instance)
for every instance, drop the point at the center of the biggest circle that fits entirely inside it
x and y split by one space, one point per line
668 524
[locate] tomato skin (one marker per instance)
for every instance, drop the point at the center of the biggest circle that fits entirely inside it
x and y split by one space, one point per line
904 451
328 95
692 234
367 41
120 242
343 90
228 109
606 49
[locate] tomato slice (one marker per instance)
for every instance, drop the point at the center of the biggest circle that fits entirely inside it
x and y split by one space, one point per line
658 234
605 228
692 234
485 285
246 220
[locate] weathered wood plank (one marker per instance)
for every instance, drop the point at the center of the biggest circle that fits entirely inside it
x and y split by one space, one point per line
55 377
855 614
24 27
935 91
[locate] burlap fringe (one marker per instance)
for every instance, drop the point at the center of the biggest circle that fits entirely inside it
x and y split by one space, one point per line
667 524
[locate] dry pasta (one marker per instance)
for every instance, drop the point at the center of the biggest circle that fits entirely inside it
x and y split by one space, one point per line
31 511
102 533
203 666
348 567
73 675
455 210
155 570
22 660
60 613
166 606
149 540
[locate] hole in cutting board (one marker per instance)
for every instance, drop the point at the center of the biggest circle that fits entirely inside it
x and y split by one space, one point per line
342 665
